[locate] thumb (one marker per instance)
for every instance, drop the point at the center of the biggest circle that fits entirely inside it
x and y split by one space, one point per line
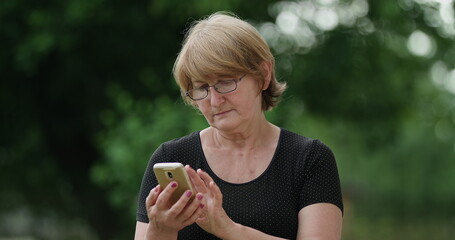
216 192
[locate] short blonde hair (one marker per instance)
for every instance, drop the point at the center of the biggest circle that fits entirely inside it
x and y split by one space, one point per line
223 44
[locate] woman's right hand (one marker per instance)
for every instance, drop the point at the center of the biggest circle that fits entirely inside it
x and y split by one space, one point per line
166 218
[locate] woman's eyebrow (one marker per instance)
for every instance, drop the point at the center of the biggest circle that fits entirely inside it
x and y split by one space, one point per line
218 78
226 76
198 81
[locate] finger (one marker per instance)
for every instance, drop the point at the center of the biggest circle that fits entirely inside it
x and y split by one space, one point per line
205 176
192 175
165 196
196 180
192 207
178 207
196 215
152 197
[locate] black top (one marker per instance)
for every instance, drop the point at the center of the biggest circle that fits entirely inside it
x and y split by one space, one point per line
302 172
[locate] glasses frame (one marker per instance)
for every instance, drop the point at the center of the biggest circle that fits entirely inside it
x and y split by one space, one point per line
236 81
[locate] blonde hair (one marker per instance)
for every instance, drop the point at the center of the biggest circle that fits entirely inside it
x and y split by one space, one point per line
223 44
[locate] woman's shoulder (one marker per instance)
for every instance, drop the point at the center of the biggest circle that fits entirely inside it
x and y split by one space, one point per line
178 148
292 140
189 140
308 153
295 138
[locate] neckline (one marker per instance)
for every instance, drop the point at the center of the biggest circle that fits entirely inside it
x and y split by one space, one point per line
219 179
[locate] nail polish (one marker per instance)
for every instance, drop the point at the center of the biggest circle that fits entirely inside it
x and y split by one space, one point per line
200 196
189 193
174 184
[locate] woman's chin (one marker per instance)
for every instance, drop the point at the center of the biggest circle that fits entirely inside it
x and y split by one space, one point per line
224 126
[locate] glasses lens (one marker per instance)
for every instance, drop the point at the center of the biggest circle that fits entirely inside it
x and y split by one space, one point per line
198 93
226 86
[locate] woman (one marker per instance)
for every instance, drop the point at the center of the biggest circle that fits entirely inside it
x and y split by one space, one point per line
254 180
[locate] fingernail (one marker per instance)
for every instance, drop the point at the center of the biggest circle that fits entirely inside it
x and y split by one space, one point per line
201 205
189 193
174 184
155 189
200 196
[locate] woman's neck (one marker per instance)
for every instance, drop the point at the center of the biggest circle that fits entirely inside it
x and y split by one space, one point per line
250 137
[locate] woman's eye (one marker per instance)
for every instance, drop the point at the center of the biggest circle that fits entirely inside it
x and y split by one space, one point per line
225 82
201 88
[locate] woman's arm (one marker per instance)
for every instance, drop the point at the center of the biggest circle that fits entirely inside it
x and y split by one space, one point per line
320 221
247 233
320 196
141 230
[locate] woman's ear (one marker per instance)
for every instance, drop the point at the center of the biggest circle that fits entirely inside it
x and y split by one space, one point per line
267 73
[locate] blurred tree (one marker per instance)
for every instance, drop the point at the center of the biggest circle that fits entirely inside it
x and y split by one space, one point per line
59 62
376 78
87 95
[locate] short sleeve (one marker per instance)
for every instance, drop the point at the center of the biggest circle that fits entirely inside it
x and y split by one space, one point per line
148 183
321 182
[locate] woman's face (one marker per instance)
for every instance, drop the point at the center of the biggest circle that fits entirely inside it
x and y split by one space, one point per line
232 111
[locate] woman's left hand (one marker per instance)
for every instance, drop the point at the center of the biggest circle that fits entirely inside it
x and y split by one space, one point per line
213 219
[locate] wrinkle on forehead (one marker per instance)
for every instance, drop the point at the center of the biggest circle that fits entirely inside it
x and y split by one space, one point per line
213 78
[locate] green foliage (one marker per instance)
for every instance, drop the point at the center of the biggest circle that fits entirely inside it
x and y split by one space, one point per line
86 97
133 130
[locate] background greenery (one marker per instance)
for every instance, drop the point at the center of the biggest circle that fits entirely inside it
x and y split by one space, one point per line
87 95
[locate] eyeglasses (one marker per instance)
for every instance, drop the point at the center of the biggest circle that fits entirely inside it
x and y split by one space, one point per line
224 86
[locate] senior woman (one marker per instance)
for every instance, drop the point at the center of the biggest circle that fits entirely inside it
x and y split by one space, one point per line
254 180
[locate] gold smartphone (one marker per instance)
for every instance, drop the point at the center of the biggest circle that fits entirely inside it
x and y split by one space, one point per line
173 171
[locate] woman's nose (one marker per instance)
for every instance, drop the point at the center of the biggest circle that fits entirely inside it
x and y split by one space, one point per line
216 98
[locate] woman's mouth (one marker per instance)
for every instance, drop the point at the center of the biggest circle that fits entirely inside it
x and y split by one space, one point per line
222 113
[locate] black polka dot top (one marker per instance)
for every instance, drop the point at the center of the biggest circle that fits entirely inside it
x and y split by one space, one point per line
302 172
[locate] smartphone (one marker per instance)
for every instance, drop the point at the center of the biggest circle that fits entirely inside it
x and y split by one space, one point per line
173 171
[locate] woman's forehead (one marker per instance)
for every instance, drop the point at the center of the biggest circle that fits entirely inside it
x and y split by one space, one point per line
212 78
